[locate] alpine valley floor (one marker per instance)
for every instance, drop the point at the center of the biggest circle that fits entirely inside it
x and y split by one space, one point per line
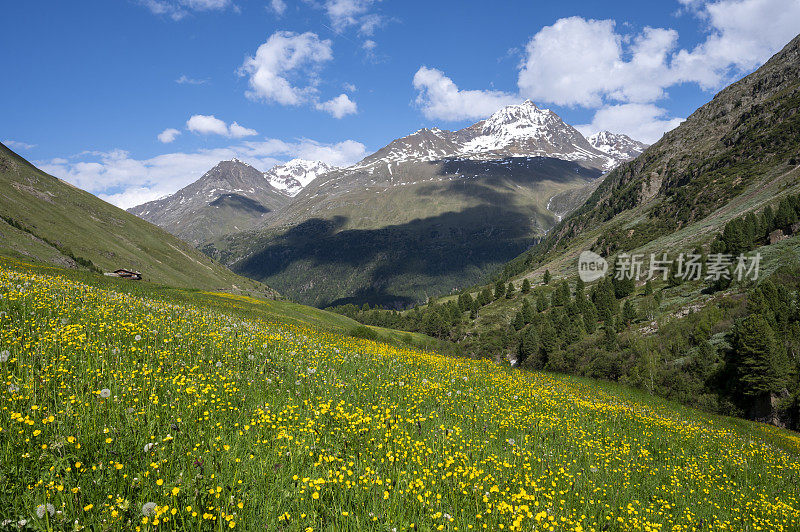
145 410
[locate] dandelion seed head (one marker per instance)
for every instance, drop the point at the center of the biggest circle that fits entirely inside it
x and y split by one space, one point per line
149 509
105 393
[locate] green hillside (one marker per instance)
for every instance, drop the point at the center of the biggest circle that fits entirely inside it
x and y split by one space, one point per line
47 220
726 181
125 411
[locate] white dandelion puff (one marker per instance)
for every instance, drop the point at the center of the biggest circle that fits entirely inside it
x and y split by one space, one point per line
105 393
149 509
43 509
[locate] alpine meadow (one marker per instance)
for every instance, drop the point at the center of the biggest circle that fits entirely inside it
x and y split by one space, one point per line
362 265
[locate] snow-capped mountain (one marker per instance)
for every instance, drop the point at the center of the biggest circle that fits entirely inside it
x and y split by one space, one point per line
617 145
292 177
522 130
232 196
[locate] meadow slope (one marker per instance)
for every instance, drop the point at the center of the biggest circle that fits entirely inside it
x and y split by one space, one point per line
120 411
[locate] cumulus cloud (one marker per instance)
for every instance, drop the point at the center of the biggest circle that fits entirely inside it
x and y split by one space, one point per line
743 35
338 107
285 59
645 122
211 125
278 7
168 135
17 145
285 70
589 63
440 98
125 181
583 62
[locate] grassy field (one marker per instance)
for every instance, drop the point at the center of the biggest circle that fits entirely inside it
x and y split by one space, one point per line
144 408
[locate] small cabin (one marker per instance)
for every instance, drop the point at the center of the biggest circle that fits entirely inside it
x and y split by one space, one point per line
125 274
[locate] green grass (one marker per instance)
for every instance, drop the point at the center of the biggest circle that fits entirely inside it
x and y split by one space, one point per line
44 219
141 407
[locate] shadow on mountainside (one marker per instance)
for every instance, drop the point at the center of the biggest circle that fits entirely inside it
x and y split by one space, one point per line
317 262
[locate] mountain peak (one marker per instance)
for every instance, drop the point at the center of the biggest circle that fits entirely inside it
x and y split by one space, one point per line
616 145
293 176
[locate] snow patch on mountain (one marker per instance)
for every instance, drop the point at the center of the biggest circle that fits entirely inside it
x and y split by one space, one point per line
617 145
292 177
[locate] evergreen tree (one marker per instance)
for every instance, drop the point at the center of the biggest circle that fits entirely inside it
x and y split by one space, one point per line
519 321
609 336
547 277
548 339
762 365
526 286
648 288
486 296
529 346
510 291
768 221
499 289
590 317
527 311
541 302
607 305
628 312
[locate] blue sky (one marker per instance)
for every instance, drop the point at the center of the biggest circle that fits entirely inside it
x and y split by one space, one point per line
132 99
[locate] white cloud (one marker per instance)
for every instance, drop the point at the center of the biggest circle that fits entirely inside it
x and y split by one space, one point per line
645 122
236 131
743 35
278 7
582 62
589 63
338 107
17 145
349 87
440 98
186 80
125 181
178 9
168 135
286 56
211 125
206 125
344 14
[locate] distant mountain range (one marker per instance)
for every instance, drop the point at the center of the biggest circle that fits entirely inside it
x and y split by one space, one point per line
474 197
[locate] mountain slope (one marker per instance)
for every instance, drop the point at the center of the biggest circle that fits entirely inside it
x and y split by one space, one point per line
49 220
747 132
428 213
232 196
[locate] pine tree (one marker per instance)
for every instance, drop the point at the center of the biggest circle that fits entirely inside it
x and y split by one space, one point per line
526 286
541 302
527 311
519 321
529 346
590 317
763 367
510 291
628 312
609 336
499 289
547 277
768 221
648 288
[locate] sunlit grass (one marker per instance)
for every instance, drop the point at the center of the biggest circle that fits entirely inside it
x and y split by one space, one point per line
118 411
